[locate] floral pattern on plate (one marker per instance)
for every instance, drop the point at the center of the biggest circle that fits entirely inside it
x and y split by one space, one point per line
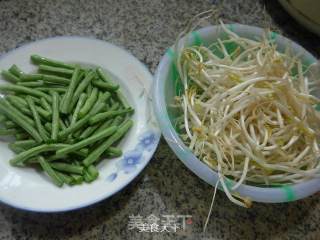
130 161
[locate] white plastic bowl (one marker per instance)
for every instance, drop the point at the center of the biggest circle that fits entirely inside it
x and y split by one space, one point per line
164 93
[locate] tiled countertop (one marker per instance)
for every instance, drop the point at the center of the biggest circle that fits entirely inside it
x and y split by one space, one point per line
166 186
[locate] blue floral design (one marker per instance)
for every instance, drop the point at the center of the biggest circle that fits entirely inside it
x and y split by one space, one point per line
128 163
147 141
112 177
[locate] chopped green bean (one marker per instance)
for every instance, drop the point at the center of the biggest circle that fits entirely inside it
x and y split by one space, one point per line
106 124
50 62
45 104
76 111
55 70
78 179
113 152
65 167
103 134
95 154
49 89
33 160
89 103
87 177
100 103
65 105
82 86
89 89
103 75
111 122
31 77
88 131
65 158
9 76
109 114
31 84
37 120
55 79
55 116
54 157
52 174
81 153
105 86
65 178
121 98
93 172
76 126
15 70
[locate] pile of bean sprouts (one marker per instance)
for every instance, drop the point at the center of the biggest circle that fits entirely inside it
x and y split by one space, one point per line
249 114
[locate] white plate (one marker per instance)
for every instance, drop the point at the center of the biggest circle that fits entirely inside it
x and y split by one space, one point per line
28 189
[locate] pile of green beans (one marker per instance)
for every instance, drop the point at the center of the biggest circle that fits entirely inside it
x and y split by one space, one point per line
65 118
